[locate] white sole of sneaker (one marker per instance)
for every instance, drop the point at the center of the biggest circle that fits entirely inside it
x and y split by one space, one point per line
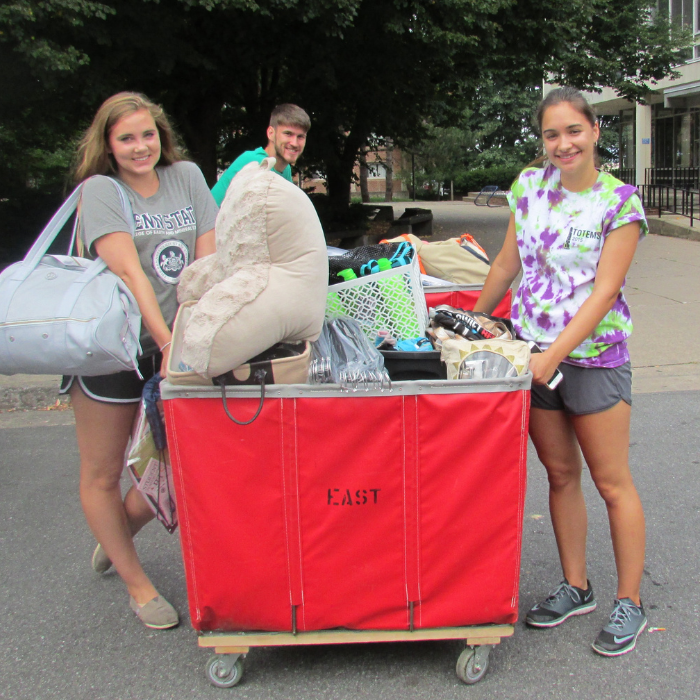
555 623
624 650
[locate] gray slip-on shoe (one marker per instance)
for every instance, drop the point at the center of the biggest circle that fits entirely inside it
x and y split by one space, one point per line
101 563
157 614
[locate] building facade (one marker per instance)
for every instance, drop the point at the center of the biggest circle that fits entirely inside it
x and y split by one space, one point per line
660 141
376 176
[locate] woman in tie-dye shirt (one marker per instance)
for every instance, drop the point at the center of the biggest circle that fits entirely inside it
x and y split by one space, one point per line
573 233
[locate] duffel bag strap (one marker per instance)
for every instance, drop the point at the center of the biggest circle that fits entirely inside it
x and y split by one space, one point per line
51 230
19 272
75 240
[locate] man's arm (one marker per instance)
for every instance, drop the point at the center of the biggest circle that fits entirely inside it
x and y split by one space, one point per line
220 188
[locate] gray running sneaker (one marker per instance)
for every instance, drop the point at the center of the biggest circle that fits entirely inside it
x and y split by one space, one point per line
564 602
627 621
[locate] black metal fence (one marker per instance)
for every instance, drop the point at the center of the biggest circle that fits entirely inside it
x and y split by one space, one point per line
672 200
627 175
681 178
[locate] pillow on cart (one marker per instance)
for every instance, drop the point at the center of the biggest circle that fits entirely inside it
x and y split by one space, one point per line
267 281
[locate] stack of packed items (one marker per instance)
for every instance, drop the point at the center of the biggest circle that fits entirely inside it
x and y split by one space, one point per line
460 261
379 288
475 345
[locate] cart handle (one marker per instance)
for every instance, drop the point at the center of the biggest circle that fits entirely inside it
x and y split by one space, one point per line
260 375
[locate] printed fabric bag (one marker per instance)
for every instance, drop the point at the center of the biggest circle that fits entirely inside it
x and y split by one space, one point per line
147 459
454 260
485 359
61 314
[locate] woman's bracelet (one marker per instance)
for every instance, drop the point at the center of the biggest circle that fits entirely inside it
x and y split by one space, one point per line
166 345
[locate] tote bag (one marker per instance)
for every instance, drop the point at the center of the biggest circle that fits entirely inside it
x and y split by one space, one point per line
61 314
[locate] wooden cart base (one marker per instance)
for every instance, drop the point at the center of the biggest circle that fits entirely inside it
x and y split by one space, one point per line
225 668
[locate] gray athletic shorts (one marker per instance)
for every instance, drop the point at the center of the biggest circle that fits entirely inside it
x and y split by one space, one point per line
586 389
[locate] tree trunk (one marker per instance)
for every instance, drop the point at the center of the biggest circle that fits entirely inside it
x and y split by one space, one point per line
338 180
364 174
389 166
199 123
339 174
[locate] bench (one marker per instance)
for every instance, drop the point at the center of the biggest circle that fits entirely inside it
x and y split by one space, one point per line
417 221
414 220
381 212
349 238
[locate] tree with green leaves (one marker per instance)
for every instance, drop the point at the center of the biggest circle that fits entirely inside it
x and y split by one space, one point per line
363 69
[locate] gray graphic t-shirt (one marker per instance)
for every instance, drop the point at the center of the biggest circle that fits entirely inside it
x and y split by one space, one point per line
167 226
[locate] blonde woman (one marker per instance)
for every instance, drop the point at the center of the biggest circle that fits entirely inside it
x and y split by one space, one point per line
131 140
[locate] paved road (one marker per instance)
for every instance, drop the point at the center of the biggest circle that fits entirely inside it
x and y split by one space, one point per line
486 224
68 633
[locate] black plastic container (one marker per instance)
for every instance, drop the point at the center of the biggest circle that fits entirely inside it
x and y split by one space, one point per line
410 366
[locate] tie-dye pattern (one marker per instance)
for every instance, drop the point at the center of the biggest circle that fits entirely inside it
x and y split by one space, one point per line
560 236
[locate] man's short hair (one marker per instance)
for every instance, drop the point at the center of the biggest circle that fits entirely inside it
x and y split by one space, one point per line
290 115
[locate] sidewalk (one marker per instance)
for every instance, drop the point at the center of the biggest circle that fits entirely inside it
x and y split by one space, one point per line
673 226
28 391
663 289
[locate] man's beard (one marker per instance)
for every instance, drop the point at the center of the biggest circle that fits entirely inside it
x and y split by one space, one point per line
279 152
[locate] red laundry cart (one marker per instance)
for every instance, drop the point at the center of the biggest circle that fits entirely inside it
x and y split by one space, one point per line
339 518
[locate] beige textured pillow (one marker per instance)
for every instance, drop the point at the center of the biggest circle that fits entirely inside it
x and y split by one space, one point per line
266 283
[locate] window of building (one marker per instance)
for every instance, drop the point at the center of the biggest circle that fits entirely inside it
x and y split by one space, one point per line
662 129
683 152
687 14
679 10
376 170
675 144
627 138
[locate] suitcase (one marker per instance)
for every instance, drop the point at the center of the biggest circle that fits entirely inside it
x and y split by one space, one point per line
389 515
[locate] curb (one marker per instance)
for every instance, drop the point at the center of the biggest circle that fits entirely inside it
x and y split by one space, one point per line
663 227
21 393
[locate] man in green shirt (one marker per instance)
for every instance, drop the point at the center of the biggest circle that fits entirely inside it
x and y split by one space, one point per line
286 138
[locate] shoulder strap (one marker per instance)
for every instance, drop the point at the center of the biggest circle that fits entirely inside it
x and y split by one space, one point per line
77 242
52 229
126 206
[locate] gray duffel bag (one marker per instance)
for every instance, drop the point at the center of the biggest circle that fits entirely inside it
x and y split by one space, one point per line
61 314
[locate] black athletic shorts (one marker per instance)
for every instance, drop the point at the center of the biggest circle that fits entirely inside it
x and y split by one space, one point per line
121 387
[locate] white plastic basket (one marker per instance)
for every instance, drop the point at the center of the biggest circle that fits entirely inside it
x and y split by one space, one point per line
392 300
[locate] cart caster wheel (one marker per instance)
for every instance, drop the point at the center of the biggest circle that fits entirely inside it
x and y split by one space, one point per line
223 671
473 664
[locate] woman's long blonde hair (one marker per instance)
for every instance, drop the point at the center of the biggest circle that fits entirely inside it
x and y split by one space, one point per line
94 158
